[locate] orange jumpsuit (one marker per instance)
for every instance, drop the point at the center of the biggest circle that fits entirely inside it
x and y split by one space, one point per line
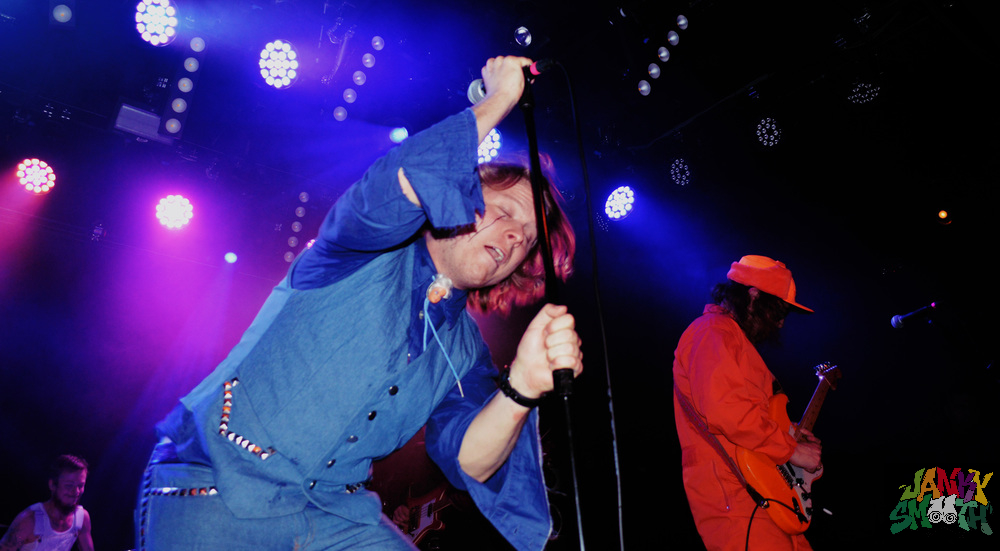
728 384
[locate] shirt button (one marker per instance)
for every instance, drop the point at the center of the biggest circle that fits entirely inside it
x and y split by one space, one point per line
330 463
420 314
352 439
372 415
312 484
393 390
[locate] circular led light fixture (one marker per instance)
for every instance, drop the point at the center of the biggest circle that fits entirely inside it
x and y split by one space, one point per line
36 176
156 21
279 64
397 135
768 132
62 13
174 211
619 203
490 148
680 173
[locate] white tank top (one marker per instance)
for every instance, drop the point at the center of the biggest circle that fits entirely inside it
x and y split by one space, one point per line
50 540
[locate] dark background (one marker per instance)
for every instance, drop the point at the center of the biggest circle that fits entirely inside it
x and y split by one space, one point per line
99 337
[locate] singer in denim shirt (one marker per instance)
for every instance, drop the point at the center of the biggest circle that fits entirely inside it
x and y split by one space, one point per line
356 349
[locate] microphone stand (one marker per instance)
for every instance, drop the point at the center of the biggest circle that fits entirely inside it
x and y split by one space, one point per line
562 378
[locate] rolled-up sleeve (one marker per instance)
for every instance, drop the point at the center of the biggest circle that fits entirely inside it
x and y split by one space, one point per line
439 162
514 498
374 215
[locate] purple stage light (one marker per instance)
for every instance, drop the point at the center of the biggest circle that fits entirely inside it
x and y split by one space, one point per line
174 211
36 176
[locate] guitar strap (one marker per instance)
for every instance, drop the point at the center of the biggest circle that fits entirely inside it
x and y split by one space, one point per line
713 440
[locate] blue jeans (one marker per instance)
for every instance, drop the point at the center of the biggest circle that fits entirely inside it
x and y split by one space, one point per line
179 509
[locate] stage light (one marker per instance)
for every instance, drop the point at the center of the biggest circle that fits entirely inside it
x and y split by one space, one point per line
663 53
279 64
398 135
191 64
36 176
340 113
179 105
378 43
944 217
359 78
673 38
62 13
644 88
197 44
863 92
682 22
185 85
350 95
522 36
619 203
156 21
172 125
174 211
680 173
654 70
768 132
368 60
230 258
490 148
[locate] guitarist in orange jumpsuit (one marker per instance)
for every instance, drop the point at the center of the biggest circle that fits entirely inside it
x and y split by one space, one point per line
719 373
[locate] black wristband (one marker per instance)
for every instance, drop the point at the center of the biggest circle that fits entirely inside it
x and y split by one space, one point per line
504 384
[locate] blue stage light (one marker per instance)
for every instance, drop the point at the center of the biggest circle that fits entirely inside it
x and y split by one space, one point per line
398 135
620 203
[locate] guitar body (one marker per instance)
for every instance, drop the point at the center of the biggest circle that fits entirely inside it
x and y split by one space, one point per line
425 513
785 483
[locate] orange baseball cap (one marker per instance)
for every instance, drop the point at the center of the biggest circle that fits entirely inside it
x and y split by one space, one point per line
768 275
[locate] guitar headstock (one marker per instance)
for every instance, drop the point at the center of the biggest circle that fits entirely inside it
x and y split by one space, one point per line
830 372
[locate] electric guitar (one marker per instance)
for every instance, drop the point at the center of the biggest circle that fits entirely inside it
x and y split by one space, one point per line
425 513
788 484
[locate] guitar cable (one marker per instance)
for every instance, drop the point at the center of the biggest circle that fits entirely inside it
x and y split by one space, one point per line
761 501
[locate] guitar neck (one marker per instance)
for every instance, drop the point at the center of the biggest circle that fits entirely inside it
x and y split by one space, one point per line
812 410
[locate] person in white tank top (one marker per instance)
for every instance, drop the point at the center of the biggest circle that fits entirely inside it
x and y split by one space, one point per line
58 523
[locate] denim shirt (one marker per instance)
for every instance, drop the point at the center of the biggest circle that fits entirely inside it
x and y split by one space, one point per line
333 372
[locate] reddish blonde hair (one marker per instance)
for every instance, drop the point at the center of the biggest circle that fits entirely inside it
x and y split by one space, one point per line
527 284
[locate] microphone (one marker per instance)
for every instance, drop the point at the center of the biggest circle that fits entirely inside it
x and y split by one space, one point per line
477 89
898 321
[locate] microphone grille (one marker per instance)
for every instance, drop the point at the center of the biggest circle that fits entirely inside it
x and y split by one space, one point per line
476 91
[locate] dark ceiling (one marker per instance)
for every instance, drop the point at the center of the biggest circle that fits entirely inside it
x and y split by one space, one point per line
99 334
